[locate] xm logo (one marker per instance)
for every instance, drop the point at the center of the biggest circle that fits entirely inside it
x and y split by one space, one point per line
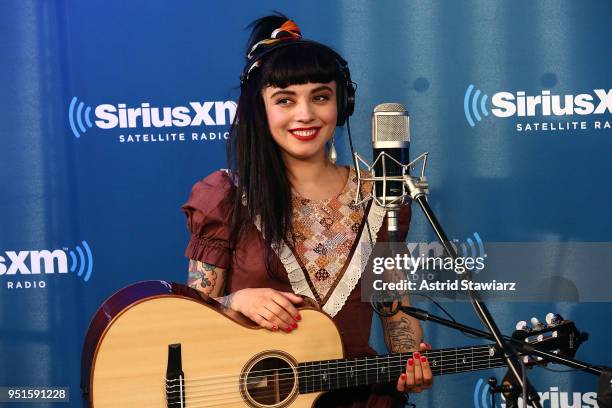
553 398
469 248
28 265
109 116
507 104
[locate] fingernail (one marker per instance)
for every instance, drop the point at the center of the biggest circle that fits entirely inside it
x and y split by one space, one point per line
416 355
298 317
274 328
423 359
410 362
403 376
294 326
423 345
288 330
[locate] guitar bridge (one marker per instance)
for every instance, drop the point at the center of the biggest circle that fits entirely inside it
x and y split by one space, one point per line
175 378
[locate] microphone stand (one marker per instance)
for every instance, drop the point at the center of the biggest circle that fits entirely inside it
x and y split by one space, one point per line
417 191
417 188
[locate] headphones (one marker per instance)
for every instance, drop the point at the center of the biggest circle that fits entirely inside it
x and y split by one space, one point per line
345 93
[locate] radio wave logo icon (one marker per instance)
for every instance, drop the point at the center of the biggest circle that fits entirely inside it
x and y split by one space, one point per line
472 106
482 397
83 262
77 113
473 248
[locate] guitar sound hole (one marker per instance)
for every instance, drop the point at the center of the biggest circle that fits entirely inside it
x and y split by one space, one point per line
270 381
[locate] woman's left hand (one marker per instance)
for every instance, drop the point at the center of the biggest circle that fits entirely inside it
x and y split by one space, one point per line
418 373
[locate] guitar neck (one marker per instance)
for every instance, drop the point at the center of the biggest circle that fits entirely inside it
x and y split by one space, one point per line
317 376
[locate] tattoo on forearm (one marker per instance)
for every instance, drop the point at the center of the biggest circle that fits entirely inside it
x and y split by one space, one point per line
226 300
202 276
400 336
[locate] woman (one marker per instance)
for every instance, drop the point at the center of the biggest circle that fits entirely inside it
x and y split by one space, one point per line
283 222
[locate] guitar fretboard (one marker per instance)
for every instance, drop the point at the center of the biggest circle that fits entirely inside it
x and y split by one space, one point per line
317 376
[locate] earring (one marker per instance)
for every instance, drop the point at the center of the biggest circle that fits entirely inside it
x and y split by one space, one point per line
333 155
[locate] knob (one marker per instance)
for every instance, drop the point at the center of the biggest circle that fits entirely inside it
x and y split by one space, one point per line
535 324
522 325
553 319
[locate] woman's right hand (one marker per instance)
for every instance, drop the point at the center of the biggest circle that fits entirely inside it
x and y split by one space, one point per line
268 308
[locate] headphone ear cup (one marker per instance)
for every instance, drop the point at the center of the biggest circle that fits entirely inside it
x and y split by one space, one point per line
346 101
350 99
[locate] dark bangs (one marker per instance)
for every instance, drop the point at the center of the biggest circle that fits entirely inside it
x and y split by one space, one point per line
299 64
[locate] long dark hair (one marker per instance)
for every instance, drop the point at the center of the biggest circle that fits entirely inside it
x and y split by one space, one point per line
252 153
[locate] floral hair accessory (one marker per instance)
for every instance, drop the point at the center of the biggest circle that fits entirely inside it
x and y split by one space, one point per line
288 31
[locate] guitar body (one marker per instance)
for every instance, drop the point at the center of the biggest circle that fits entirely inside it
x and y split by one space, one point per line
126 354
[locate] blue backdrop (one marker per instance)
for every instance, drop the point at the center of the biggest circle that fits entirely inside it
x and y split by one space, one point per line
79 179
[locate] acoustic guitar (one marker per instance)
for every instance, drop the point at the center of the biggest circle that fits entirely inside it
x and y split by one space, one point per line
158 344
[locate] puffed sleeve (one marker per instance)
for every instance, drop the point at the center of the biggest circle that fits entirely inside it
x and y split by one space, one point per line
209 212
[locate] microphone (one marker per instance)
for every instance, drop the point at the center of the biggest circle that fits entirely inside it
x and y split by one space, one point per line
391 135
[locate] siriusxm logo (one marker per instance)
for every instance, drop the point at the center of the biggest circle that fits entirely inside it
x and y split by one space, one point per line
108 116
553 398
32 264
507 104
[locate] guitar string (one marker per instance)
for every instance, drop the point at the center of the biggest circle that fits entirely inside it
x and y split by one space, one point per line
235 398
477 351
290 375
363 374
285 390
196 395
378 360
288 372
436 371
456 356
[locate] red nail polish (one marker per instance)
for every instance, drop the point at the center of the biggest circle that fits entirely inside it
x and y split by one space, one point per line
410 362
423 359
294 326
416 355
298 317
274 328
403 376
288 330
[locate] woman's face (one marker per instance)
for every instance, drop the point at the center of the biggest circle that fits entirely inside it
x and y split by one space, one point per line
302 118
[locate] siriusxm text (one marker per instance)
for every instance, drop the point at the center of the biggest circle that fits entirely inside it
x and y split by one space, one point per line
507 104
196 114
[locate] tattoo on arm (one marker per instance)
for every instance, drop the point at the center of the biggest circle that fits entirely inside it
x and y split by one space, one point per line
400 336
226 300
202 276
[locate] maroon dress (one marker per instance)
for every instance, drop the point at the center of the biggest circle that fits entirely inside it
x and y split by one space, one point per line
209 212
